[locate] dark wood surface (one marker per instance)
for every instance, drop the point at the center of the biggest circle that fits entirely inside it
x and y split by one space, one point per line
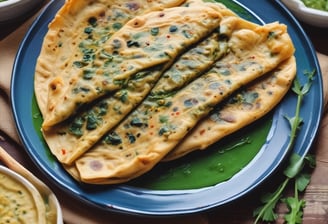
240 211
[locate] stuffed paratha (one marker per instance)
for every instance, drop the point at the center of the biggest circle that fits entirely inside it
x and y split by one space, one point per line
157 126
240 110
167 115
145 41
79 29
71 139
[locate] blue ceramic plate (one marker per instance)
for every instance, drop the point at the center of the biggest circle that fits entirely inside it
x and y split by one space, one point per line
126 198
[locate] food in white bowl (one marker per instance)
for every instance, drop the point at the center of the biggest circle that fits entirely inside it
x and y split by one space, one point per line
14 9
317 4
313 14
21 201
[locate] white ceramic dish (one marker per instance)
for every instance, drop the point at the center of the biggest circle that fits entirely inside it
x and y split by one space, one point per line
14 9
41 209
308 15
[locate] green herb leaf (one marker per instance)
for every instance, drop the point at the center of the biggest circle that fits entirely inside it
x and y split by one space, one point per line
295 124
297 87
266 212
296 164
310 160
163 118
295 210
302 181
294 170
302 90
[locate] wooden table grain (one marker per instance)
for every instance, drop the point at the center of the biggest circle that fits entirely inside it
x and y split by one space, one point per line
237 212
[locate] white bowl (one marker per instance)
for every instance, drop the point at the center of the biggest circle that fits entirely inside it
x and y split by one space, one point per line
15 188
13 9
315 17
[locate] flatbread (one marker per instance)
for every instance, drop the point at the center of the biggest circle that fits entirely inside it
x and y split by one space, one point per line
143 42
120 45
131 150
241 109
79 28
69 140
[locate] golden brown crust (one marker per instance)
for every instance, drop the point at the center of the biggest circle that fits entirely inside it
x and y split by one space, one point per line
233 116
60 46
128 51
111 164
61 138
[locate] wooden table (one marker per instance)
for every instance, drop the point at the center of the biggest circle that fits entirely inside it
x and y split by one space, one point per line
240 211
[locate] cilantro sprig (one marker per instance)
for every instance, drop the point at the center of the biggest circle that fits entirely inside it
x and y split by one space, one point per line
295 171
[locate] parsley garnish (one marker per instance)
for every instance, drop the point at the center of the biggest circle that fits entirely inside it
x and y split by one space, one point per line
295 170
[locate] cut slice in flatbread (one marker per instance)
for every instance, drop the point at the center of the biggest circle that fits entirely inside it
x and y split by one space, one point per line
70 139
157 126
78 30
241 109
143 42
